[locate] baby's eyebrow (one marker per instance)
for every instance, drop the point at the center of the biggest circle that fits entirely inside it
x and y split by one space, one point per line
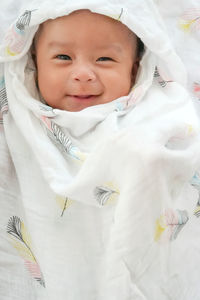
114 46
60 44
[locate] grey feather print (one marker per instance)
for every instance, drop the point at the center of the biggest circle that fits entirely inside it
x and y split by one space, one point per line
195 182
3 100
197 211
161 81
183 219
24 20
14 228
103 194
61 138
63 142
120 15
64 208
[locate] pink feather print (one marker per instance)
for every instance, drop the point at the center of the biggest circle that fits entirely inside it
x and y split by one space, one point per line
196 89
190 20
169 224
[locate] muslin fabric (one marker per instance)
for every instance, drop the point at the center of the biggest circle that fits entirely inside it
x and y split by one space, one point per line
103 203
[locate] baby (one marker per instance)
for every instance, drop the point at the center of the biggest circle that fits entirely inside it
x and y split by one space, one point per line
85 59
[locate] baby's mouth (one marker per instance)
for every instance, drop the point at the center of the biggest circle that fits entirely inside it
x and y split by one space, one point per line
84 97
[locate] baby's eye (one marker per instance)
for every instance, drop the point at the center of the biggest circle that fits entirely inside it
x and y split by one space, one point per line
104 58
63 57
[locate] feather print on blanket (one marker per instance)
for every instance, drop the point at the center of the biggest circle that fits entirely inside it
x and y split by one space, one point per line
190 20
117 16
63 142
169 224
24 20
16 36
64 203
196 89
195 182
3 97
161 81
105 194
21 241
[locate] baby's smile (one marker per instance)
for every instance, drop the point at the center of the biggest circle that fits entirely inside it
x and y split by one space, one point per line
84 98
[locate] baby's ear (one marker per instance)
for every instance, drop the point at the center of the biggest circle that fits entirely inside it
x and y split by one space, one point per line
134 70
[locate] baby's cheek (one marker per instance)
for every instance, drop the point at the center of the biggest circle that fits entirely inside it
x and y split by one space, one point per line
121 84
47 83
124 87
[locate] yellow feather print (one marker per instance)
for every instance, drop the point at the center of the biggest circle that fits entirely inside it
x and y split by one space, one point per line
114 196
186 26
197 211
190 20
160 228
81 156
116 16
64 203
25 235
23 251
190 129
9 52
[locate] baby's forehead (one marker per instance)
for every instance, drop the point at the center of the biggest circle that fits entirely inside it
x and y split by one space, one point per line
81 17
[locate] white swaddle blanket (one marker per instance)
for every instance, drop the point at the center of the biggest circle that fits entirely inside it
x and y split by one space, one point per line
98 204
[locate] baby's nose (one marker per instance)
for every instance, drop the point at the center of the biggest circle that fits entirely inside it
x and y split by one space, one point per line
83 74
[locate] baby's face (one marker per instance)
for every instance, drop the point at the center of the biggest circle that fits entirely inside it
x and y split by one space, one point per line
84 59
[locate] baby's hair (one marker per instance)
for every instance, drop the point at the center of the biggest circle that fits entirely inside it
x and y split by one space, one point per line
140 47
137 42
